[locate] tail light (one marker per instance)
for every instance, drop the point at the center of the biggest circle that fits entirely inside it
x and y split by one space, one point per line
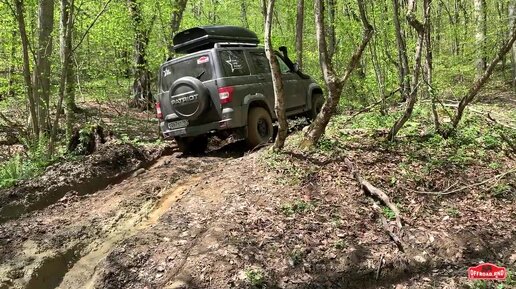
159 115
226 94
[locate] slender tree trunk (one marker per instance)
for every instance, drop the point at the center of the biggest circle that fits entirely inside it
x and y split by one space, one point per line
480 81
332 36
178 9
141 88
10 72
243 13
413 88
333 83
20 18
300 19
65 37
277 81
427 6
512 20
43 62
403 67
480 35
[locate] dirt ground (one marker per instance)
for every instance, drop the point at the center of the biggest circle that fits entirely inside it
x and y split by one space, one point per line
150 217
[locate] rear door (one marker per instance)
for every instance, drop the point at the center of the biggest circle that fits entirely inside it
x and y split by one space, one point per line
262 74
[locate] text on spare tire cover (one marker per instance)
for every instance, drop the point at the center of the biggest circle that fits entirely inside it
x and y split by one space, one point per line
185 99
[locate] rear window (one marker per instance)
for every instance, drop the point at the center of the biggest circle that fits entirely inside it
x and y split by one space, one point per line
233 63
198 67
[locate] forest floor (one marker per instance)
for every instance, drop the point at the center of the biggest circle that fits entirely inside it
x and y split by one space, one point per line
139 214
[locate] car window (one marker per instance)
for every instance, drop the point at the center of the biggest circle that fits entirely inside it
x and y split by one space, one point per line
260 62
233 63
198 67
283 67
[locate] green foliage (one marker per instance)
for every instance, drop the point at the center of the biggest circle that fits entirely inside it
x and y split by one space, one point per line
388 213
296 207
255 277
17 168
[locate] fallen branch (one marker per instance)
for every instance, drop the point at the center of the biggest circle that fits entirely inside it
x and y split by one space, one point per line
447 192
490 118
372 190
380 266
386 227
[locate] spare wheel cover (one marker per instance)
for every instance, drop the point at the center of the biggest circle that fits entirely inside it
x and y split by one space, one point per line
189 97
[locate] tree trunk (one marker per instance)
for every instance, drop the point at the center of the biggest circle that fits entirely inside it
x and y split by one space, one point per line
42 69
332 37
412 90
178 9
141 88
300 19
479 82
512 20
243 13
65 37
333 83
480 35
20 18
277 81
427 6
403 67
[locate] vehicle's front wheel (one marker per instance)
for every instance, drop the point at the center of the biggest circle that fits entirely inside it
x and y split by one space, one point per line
259 127
196 144
317 104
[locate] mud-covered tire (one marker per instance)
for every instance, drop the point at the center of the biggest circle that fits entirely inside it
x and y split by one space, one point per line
259 127
196 144
317 104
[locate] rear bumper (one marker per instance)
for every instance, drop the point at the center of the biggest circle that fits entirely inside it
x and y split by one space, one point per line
228 122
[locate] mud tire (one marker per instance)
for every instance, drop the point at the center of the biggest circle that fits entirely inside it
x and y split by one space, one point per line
259 127
317 104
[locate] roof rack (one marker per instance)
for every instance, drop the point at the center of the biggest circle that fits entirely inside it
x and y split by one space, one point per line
205 37
234 44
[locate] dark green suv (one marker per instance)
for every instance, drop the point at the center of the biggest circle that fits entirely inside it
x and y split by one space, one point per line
223 87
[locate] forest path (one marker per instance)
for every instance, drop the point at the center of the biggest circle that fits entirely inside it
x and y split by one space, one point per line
60 246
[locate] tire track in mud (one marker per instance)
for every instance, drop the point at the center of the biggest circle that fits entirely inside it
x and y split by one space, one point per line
107 217
82 274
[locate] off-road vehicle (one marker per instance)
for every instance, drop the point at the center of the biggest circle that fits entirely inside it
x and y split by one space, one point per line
223 86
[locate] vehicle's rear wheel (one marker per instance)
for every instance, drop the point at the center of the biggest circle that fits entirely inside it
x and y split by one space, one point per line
317 104
196 144
259 127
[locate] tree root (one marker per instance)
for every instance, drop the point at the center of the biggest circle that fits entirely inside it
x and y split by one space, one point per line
373 191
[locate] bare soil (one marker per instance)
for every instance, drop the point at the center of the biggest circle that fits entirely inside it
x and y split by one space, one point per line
150 217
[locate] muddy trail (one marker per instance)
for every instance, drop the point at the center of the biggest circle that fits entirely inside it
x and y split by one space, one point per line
56 229
226 220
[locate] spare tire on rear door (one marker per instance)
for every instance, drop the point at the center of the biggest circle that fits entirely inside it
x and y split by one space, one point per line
189 97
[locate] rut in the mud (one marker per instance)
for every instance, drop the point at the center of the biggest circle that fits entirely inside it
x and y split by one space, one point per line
82 274
68 239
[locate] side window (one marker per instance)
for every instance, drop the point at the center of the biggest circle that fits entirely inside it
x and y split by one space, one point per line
233 63
283 67
260 62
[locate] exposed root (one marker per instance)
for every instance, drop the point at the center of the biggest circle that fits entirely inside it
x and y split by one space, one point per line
371 190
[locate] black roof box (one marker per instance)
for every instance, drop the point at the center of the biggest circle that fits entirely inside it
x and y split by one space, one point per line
205 37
